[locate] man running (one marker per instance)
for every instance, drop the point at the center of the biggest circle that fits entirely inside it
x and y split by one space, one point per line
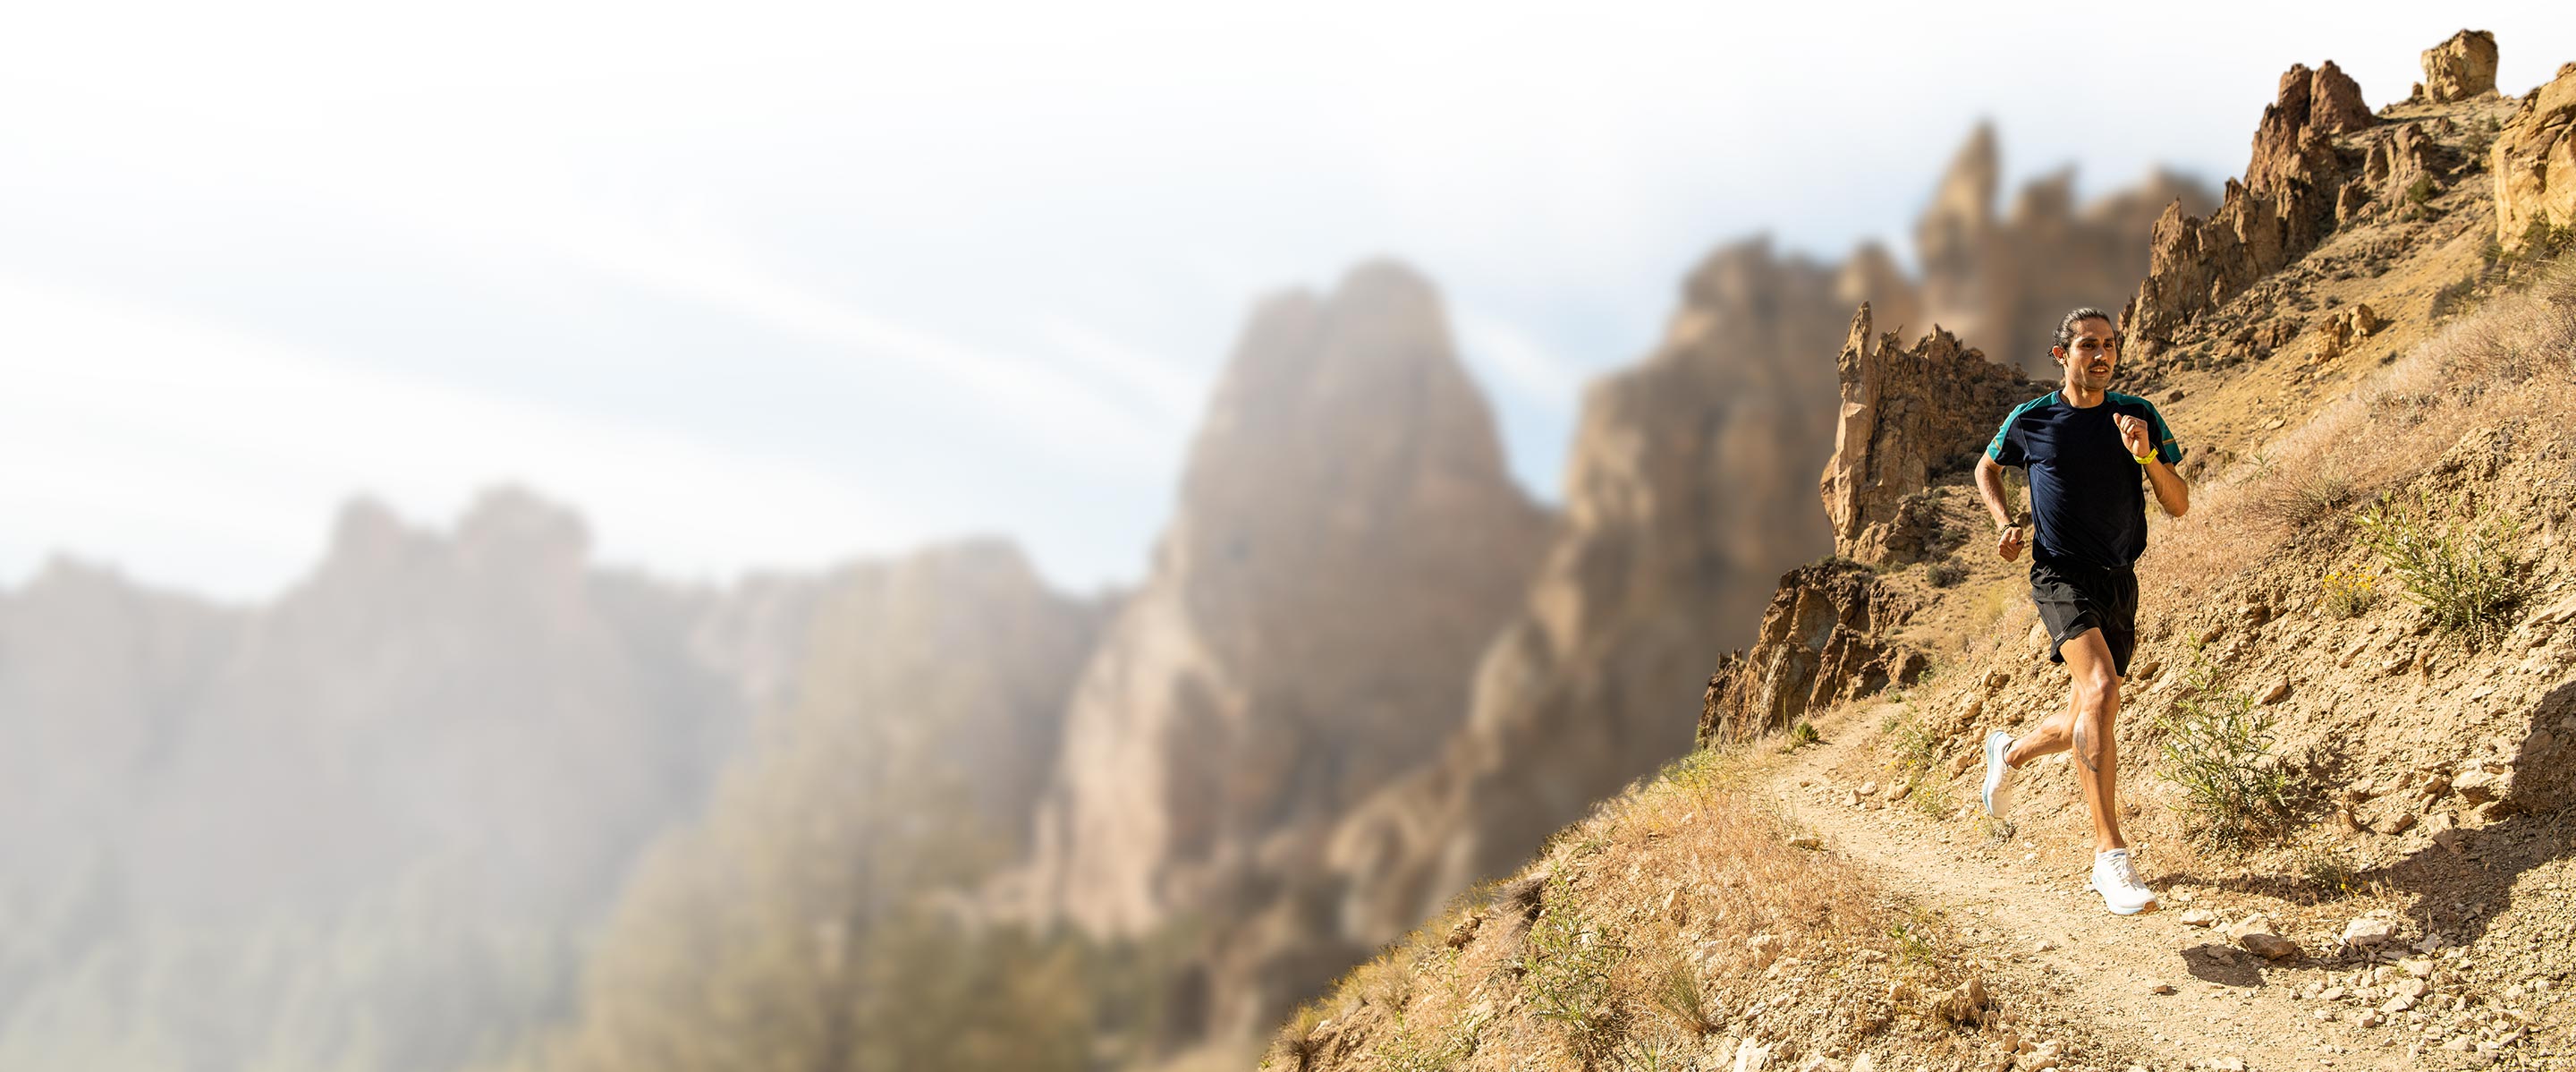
2082 447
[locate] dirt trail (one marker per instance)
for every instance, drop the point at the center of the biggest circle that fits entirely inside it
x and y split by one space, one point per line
2026 908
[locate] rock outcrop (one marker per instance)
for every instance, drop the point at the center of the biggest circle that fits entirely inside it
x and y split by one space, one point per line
2004 278
2534 162
2287 202
1824 640
1907 415
1346 544
2460 68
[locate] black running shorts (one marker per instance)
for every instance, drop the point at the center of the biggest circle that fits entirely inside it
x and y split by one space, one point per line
2074 598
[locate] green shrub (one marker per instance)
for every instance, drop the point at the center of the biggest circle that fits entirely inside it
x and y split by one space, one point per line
1677 993
1804 734
1945 573
2457 562
1909 745
2420 191
1565 971
2217 746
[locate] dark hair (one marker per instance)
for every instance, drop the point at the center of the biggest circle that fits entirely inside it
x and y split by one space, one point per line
2066 327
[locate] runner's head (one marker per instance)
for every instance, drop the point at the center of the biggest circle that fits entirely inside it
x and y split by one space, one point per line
2088 348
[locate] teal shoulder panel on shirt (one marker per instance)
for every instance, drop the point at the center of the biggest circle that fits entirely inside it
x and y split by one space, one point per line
1995 446
2166 448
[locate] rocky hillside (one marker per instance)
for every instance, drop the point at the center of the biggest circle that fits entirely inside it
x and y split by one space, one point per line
1690 488
2369 617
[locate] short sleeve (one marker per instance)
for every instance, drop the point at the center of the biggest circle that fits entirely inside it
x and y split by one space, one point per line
2006 448
2166 448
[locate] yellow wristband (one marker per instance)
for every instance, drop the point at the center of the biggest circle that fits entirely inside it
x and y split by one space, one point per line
2142 459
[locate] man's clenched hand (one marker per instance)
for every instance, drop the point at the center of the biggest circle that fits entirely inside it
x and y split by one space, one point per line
2009 543
2133 434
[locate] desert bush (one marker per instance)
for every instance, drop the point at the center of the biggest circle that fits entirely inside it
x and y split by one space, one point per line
2349 593
2455 560
1945 573
1804 734
1677 992
2327 874
1565 971
2299 499
2420 191
1910 745
2217 746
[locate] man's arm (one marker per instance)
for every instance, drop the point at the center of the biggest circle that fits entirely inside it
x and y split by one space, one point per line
2139 439
1990 487
2171 492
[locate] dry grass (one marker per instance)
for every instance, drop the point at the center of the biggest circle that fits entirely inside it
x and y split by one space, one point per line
1660 921
2513 359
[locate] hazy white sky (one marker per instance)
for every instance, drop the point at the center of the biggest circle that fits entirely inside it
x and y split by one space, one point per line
776 284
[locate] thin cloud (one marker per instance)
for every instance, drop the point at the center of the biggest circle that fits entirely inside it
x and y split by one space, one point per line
178 447
1520 363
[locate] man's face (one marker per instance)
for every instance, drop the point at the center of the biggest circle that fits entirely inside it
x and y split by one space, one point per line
2090 355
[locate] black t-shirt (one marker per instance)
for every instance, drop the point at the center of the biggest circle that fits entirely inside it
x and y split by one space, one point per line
2086 502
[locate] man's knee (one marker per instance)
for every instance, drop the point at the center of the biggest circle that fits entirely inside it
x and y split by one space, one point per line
2098 688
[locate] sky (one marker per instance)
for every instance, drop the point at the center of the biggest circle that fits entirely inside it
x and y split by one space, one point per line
765 286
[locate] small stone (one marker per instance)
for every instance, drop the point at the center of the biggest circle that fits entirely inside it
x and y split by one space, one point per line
2043 946
1869 789
1805 841
1864 1063
2323 1014
2159 986
2369 932
2045 1055
2410 988
2419 967
2457 1044
1752 1056
2392 824
2256 935
2199 917
2174 395
2368 1019
2398 1004
2226 1064
2279 691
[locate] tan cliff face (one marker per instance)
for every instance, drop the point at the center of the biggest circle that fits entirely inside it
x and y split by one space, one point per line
1347 540
472 733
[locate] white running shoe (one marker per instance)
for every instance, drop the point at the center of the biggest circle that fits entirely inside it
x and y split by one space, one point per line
2118 884
1999 774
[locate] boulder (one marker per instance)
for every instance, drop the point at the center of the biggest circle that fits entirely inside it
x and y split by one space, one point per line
2460 68
2534 162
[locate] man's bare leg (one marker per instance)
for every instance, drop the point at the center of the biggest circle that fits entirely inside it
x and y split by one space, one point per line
2086 729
